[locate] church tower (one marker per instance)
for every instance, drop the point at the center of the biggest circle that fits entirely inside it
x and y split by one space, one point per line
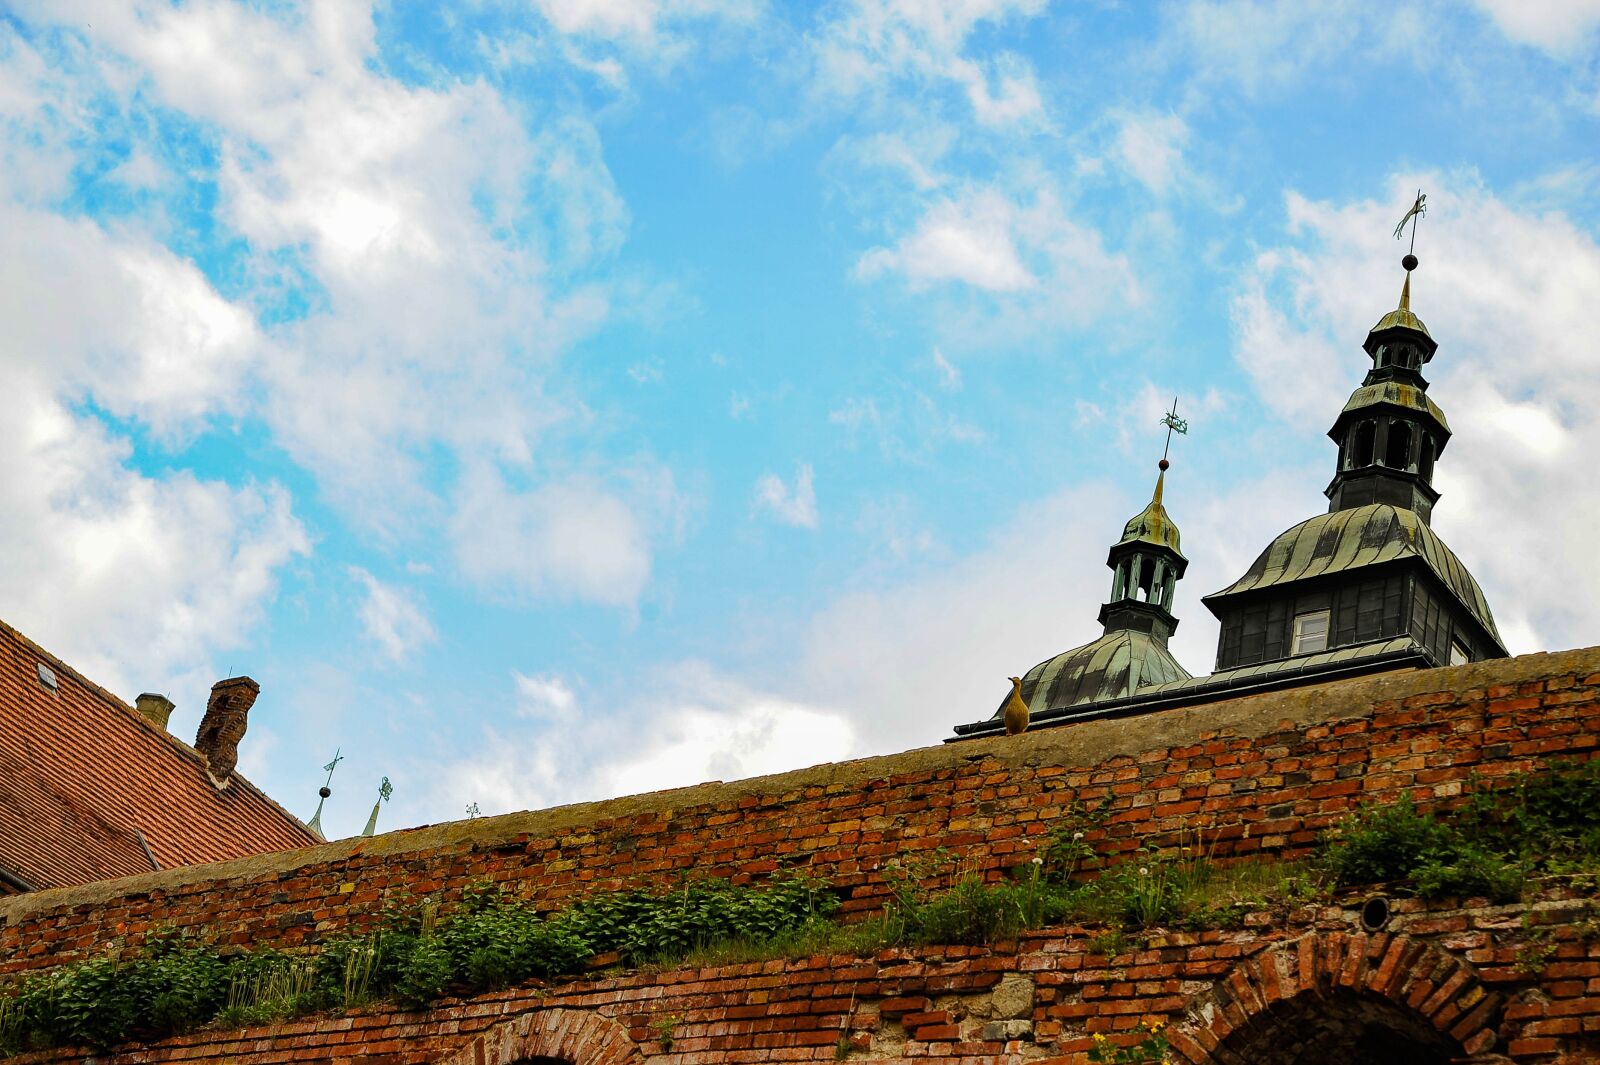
1368 585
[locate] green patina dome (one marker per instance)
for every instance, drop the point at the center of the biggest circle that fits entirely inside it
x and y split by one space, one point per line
1152 525
1115 666
1401 318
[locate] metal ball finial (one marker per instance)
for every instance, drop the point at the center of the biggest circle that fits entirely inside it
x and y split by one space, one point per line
1162 465
1409 262
324 791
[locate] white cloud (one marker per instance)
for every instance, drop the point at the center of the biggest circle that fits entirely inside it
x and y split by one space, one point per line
391 617
875 47
122 320
135 580
949 376
1259 45
1011 249
1561 27
434 272
638 20
1150 147
1513 297
973 242
570 538
694 724
795 505
545 697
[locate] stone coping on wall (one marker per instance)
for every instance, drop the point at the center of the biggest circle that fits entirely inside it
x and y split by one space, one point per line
1085 743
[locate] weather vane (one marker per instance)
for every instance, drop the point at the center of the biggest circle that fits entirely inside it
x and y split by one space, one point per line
385 790
1418 209
315 824
1174 424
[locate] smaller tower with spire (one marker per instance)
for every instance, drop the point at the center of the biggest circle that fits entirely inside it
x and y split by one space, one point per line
1146 566
1131 654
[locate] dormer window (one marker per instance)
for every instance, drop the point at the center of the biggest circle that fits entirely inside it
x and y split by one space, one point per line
1310 632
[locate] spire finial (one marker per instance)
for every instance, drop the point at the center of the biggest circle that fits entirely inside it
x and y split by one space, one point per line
1174 424
1418 208
315 824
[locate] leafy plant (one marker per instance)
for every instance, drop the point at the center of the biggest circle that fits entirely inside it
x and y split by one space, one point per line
1397 844
1152 1047
665 1029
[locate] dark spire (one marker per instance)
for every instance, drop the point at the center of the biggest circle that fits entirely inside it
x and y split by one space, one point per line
1389 432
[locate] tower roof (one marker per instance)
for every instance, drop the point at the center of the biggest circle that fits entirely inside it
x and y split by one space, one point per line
1361 537
1153 525
1402 317
1116 665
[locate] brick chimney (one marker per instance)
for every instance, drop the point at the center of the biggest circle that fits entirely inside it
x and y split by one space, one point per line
156 708
223 726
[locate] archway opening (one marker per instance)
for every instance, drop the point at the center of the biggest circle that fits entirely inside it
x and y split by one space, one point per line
1343 1028
1361 449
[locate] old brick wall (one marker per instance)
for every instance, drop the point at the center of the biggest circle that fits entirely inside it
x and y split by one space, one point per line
1249 996
1264 773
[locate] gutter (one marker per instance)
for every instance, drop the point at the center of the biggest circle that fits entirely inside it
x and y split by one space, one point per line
12 880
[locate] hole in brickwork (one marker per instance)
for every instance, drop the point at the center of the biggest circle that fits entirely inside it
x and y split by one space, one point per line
1337 1029
1375 914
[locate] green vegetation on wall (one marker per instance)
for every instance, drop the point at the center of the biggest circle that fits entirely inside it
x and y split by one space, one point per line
1535 825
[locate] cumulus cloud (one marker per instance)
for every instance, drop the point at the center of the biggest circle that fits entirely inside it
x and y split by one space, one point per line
792 505
138 578
687 724
571 538
1150 147
391 617
1013 247
1263 44
1513 297
544 697
876 47
408 275
1561 27
138 581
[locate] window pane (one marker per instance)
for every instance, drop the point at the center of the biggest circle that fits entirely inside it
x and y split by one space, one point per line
1310 632
1459 655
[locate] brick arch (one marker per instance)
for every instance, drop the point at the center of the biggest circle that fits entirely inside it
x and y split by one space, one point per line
1437 995
575 1036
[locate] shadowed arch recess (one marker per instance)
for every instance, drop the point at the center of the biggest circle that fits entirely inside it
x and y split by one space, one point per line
550 1037
1336 998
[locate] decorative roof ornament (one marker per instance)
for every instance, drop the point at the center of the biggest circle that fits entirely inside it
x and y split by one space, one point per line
315 824
1401 315
385 790
1152 525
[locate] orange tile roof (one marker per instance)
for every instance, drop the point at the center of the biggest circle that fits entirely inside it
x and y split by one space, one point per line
83 775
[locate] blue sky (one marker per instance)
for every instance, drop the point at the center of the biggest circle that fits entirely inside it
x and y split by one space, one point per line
546 401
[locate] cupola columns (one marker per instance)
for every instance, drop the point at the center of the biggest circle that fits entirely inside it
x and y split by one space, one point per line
1146 566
